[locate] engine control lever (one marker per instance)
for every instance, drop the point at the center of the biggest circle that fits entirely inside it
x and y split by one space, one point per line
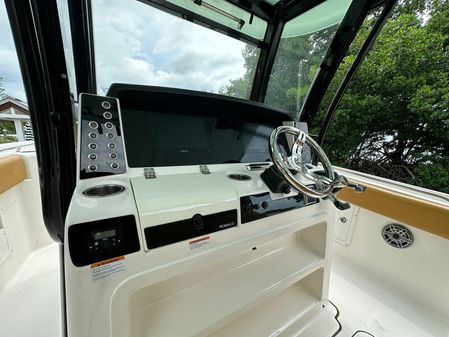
339 182
356 187
337 203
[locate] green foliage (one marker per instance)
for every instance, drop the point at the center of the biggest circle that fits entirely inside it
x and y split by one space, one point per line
241 87
395 113
6 130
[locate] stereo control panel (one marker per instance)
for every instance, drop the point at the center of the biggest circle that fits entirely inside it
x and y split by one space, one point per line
101 138
103 239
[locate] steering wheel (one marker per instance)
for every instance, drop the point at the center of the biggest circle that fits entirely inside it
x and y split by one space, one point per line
325 184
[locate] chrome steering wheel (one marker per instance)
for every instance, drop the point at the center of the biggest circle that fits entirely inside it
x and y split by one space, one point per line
324 184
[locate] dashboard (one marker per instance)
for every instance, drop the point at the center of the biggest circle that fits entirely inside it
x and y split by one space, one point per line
136 131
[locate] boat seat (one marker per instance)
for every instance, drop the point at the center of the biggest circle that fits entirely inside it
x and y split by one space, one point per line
12 172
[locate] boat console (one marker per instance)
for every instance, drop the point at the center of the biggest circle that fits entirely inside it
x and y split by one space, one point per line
181 224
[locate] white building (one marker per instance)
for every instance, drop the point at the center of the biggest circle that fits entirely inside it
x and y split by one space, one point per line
15 110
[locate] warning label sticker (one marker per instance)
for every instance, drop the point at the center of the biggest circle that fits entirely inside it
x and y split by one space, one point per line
103 269
199 242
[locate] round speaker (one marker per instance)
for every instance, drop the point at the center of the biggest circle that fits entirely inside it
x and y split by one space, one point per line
397 236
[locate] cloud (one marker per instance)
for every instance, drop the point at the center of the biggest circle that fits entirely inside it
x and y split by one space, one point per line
136 43
9 65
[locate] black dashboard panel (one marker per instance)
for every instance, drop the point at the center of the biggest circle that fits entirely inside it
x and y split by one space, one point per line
99 240
101 140
259 206
198 225
171 127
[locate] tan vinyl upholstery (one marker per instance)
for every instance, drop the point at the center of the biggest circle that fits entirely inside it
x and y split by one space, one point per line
416 212
12 172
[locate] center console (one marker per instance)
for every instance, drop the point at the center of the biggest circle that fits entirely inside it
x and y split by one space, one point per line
209 247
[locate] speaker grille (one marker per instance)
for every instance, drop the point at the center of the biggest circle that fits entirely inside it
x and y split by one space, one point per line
397 236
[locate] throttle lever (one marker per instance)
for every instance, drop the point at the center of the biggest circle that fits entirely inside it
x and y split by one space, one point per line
337 203
339 182
356 187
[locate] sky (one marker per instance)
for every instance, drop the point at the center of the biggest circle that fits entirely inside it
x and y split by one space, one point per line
9 65
135 43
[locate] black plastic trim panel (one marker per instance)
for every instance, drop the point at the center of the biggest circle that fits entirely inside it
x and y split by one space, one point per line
161 235
259 206
101 144
142 97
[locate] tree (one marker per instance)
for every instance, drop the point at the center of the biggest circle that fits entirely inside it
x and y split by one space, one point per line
397 106
394 118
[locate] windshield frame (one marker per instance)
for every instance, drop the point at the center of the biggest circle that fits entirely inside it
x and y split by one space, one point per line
276 16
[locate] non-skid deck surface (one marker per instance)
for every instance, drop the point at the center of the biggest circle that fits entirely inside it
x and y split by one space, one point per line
4 246
366 304
30 302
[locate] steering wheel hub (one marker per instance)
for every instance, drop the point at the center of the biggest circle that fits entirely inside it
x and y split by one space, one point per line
295 171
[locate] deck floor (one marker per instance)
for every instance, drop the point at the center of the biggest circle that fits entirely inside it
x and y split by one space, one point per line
365 304
32 303
4 246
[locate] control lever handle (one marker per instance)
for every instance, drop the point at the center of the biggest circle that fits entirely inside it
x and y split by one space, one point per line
339 182
337 203
356 187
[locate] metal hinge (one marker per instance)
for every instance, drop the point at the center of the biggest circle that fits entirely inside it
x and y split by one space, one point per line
204 169
258 166
149 173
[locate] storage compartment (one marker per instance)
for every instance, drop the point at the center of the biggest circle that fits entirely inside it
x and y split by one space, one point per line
283 315
284 270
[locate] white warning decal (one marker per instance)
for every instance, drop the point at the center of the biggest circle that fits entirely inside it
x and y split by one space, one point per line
199 242
103 269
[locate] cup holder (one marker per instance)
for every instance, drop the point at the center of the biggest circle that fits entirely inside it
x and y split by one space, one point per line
241 177
103 191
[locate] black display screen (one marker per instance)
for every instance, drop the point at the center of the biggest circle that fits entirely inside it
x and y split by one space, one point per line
170 127
166 139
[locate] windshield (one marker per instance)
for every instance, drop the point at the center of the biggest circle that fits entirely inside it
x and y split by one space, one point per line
138 44
304 43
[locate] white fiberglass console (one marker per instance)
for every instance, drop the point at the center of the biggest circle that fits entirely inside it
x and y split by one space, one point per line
189 250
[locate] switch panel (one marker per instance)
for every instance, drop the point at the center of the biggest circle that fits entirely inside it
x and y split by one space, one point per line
101 139
259 206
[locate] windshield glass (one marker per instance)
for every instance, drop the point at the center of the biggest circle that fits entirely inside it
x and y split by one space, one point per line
138 44
304 43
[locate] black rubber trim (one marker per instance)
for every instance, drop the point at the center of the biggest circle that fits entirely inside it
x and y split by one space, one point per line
38 40
80 13
386 12
336 318
141 97
346 33
363 331
62 293
183 13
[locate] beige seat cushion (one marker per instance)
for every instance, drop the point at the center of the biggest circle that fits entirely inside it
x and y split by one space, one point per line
12 172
